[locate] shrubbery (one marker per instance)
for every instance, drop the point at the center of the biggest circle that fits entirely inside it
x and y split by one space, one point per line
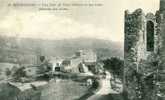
115 66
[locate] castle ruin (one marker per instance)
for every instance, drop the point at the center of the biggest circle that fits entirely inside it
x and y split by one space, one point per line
144 54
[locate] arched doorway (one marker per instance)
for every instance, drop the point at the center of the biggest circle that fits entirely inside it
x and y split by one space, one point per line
150 36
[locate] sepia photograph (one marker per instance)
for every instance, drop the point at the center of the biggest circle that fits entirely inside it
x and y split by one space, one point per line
82 49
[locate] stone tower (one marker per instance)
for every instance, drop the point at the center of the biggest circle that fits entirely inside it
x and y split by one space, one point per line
162 5
161 32
140 54
161 26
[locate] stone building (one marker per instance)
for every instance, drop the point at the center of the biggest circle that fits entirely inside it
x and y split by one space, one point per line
71 65
144 54
86 57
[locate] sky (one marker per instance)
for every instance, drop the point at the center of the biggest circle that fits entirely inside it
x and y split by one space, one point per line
101 22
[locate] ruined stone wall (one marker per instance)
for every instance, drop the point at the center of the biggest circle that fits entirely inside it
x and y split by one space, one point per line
152 18
161 51
162 38
148 64
138 60
133 32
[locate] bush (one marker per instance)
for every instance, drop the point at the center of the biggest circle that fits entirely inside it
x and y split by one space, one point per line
114 65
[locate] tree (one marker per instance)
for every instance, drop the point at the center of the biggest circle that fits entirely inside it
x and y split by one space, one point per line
114 65
19 73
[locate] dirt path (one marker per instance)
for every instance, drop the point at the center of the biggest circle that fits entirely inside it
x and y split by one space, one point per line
104 90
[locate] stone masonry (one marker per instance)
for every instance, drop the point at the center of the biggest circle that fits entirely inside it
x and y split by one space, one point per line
144 55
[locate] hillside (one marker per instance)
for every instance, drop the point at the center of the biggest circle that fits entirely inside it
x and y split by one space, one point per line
60 48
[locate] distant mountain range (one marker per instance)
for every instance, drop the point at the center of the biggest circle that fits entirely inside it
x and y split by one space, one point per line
63 48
